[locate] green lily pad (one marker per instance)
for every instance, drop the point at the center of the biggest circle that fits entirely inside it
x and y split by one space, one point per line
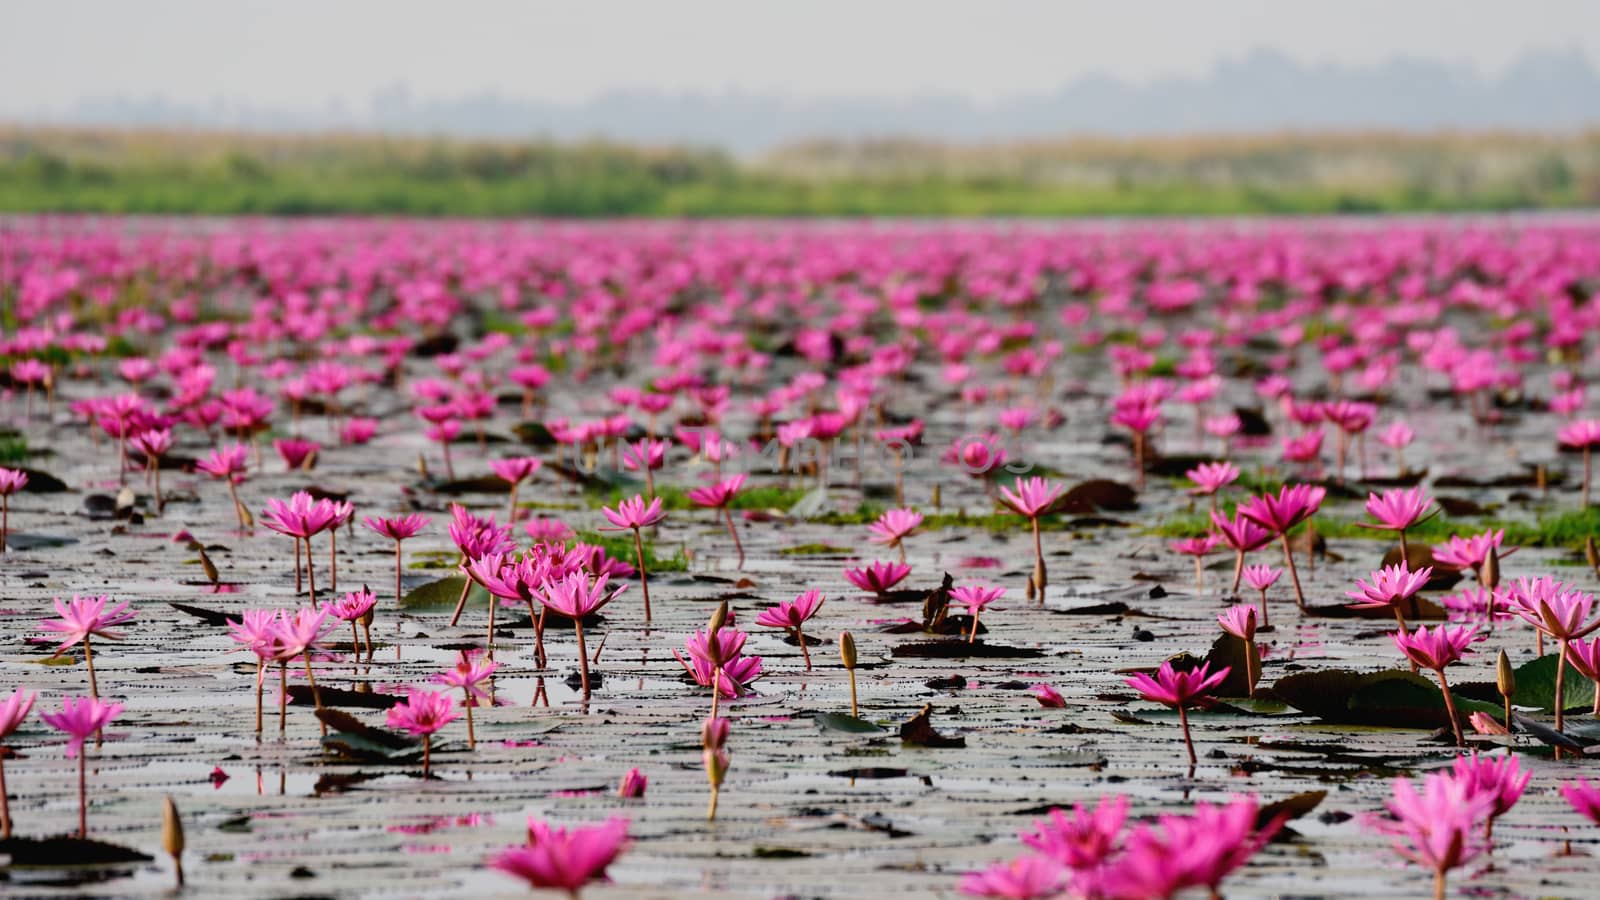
1536 686
534 434
358 748
442 594
848 724
814 503
1229 651
24 541
1393 698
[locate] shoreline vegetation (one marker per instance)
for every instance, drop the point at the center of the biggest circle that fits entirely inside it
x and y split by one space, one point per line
44 170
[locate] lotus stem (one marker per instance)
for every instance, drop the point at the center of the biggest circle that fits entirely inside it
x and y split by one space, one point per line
316 695
1294 575
644 578
398 565
311 575
283 697
83 794
734 532
88 659
5 803
1450 710
583 656
461 601
261 670
1188 742
855 712
1038 561
805 651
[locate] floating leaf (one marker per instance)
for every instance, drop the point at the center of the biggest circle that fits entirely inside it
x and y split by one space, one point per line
814 503
209 616
960 649
483 484
1536 686
339 697
18 540
62 852
848 724
919 731
1394 698
1098 495
443 593
1291 808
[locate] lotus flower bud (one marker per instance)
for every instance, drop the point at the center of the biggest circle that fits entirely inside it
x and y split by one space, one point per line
847 649
714 733
1505 678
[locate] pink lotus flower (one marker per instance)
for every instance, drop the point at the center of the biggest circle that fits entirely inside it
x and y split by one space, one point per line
1294 504
83 618
718 496
1180 690
78 719
1396 511
1391 586
879 577
1084 840
1033 498
1211 477
633 515
791 615
976 598
296 452
576 597
633 785
1501 779
229 464
397 529
1436 828
11 481
893 527
1397 437
1435 650
515 470
353 605
1468 552
1583 797
423 713
1024 878
1585 434
1048 696
13 712
1261 578
647 455
358 431
719 662
1199 850
1239 621
561 859
1196 547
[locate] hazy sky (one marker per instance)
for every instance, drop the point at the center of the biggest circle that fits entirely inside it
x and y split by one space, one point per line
304 54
